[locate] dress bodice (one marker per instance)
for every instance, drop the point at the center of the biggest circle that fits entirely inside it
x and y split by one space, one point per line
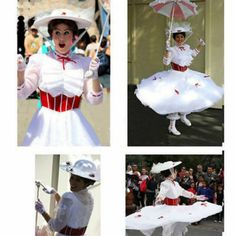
59 76
74 210
183 55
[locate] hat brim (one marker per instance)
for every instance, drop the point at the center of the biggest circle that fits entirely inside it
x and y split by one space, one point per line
158 168
69 169
44 21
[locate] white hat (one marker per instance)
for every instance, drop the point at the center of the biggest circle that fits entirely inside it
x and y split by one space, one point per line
83 168
177 27
157 168
62 14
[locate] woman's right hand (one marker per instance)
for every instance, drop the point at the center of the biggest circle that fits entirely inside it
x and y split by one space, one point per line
21 65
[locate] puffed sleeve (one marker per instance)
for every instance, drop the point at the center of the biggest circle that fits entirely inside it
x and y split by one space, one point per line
31 77
90 95
183 192
194 52
60 221
163 190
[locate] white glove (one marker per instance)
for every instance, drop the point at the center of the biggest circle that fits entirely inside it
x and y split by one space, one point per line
167 44
20 63
158 201
94 64
39 207
93 69
201 42
49 190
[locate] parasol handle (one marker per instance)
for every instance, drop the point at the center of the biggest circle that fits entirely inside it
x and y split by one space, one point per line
89 73
103 31
78 39
171 23
36 214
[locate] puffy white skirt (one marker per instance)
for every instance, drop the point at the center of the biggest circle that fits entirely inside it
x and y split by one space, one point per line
151 217
175 91
51 128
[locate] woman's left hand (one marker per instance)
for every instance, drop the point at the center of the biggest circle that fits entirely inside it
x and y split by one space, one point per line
93 69
201 42
94 64
39 207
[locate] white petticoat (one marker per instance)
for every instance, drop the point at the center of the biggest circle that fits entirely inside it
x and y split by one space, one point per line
68 128
175 91
151 217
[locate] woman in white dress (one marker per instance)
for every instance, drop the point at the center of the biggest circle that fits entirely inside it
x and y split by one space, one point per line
180 90
61 78
74 207
167 213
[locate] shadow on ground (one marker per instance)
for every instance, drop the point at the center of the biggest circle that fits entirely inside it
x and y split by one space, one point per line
147 128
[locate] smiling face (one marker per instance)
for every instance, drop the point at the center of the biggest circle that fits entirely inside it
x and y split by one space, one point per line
179 39
76 183
62 37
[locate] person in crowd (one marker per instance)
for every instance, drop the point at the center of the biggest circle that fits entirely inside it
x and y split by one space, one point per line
92 47
206 191
199 172
219 200
62 77
151 190
33 42
143 185
210 177
104 67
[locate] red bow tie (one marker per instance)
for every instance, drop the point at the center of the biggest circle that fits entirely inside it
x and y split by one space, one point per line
182 48
64 60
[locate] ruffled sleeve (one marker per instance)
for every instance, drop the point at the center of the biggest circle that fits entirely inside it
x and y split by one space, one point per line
164 188
32 74
183 192
194 52
60 221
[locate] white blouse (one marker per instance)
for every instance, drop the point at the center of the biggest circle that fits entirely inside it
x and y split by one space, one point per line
74 210
182 56
172 189
47 72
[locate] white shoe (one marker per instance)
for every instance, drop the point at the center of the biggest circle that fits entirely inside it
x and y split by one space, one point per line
173 130
185 121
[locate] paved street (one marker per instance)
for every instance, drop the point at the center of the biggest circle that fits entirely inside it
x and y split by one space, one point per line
97 115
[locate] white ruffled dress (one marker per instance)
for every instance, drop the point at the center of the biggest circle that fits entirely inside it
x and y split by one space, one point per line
74 210
173 219
56 77
176 91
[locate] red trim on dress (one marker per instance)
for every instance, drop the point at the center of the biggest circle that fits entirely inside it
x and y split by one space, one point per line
59 103
178 67
67 230
171 202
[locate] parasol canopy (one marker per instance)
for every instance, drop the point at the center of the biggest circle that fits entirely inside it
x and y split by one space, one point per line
178 9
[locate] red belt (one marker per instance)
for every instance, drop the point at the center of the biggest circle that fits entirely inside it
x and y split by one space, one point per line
59 103
178 67
171 202
67 230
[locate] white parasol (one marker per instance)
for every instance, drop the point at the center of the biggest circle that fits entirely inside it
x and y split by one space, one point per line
174 9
